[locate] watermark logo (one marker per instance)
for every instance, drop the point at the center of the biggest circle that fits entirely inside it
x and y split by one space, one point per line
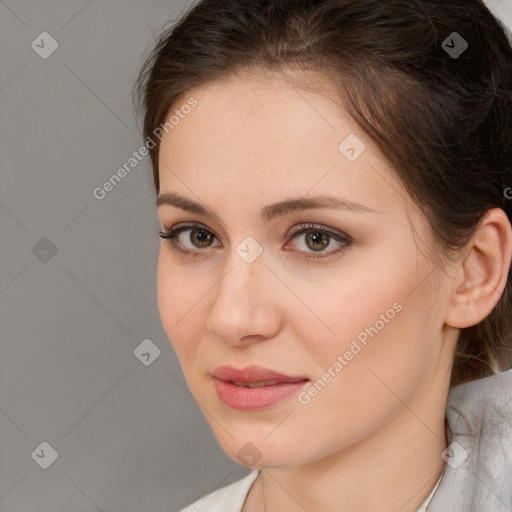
249 249
455 455
146 352
454 45
44 45
45 455
44 250
249 454
352 147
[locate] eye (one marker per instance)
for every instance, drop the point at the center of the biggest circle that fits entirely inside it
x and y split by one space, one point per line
199 237
317 239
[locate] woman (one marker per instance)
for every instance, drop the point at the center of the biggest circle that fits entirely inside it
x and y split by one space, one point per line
334 274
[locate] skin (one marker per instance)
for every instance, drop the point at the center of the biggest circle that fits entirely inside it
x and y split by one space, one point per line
372 438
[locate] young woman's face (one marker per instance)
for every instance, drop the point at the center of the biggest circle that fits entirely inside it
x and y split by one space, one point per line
339 298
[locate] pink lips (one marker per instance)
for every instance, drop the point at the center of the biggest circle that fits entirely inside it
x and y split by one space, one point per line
232 386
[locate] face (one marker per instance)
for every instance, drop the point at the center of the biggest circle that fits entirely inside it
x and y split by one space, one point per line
336 297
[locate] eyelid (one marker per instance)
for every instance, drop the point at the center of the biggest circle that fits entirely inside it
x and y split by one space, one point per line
178 228
324 229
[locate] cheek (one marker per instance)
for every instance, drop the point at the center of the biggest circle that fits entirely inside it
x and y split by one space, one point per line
166 299
374 360
179 306
362 304
377 337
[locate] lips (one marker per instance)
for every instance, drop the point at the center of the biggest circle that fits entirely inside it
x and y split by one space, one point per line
252 375
254 387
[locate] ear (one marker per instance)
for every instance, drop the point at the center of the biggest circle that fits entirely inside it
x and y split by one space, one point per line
482 273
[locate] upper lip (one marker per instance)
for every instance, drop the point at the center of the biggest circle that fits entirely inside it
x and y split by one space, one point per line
252 374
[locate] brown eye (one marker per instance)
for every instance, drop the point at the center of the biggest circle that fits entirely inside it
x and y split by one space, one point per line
198 238
317 239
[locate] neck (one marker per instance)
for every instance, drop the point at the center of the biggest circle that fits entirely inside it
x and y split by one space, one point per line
395 468
384 473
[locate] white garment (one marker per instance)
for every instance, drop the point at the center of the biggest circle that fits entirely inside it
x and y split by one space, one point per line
232 497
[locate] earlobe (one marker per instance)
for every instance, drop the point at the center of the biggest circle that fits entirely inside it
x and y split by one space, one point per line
483 272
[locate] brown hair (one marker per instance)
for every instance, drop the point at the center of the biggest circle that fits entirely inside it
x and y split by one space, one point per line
444 121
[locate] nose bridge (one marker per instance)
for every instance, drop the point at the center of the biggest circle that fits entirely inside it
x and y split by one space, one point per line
240 284
242 305
247 264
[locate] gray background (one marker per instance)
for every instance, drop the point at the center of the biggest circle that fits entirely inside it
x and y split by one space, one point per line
129 436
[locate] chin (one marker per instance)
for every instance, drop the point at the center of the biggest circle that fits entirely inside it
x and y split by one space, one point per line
257 452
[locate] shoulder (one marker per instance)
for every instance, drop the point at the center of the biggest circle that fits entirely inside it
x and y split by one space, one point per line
227 499
479 459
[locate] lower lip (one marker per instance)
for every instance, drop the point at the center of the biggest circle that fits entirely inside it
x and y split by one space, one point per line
253 399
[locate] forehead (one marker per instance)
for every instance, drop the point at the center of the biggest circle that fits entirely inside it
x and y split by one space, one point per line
265 136
258 110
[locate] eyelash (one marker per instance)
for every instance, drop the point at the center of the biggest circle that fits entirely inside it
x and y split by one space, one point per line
172 234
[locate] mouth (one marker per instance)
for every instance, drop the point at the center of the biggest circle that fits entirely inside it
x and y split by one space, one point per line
254 387
253 375
254 384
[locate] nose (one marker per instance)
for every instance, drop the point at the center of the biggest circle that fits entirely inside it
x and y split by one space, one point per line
245 306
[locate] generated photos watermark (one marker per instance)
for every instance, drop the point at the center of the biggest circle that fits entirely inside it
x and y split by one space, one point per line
137 156
355 348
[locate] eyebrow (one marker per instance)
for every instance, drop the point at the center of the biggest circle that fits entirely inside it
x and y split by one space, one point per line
271 211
